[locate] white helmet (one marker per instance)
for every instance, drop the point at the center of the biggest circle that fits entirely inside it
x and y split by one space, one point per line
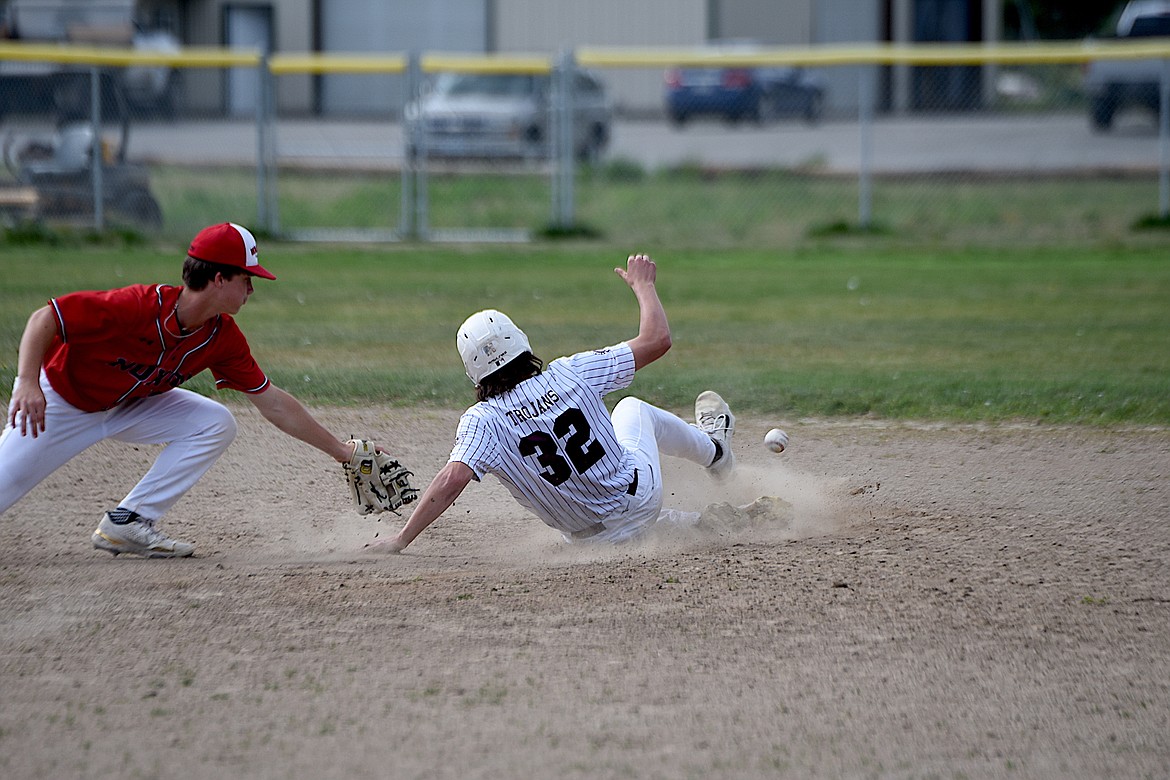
488 341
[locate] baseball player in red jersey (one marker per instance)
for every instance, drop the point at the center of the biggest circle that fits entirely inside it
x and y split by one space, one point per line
108 365
547 436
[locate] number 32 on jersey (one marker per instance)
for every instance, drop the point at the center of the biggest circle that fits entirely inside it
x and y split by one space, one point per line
579 453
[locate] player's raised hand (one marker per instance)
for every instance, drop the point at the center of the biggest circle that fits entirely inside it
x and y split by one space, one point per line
639 268
653 339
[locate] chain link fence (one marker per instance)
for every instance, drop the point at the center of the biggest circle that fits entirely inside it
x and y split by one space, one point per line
643 147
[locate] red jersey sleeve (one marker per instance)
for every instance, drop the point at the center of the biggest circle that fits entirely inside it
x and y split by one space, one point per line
236 369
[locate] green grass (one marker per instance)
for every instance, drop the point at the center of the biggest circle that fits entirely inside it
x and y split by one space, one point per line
693 207
1075 335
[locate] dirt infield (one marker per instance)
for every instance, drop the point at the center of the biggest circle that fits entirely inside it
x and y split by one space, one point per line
944 602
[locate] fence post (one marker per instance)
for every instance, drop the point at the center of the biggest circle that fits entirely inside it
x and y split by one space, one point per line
406 176
865 132
96 158
562 124
266 207
1164 141
413 219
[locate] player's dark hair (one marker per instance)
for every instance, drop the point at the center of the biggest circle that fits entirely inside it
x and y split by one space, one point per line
525 366
197 274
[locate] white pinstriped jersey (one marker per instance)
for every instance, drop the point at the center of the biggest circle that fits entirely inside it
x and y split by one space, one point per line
551 442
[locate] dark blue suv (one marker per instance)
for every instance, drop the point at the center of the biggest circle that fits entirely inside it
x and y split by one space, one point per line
755 94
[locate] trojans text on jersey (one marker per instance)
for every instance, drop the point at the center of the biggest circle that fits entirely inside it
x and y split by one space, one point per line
538 405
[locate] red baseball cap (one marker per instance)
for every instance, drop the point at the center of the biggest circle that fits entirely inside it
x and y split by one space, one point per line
229 244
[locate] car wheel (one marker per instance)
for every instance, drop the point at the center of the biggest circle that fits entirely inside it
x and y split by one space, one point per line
771 107
756 112
814 108
678 119
590 151
1102 110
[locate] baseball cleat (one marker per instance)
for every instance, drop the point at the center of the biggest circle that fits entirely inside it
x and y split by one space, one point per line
713 416
138 537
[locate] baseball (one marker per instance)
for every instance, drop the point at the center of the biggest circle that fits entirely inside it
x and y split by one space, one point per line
776 440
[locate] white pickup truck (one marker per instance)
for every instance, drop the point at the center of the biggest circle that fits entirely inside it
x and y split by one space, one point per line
1115 85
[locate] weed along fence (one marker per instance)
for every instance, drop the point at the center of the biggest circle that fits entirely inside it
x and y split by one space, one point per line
964 143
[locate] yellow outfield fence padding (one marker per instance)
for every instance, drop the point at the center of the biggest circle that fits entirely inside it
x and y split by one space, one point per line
503 63
879 54
285 64
119 57
603 56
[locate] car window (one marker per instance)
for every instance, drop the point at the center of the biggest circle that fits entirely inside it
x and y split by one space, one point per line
585 85
1150 26
494 84
701 76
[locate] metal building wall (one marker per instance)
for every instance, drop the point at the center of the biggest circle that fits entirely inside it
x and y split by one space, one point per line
847 21
771 22
552 25
392 26
203 25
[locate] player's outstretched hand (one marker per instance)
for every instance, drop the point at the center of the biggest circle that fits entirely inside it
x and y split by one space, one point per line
639 268
389 546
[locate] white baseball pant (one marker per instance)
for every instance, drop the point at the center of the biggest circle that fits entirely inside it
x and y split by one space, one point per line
649 432
195 430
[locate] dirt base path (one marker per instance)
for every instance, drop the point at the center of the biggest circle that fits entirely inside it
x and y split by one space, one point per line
921 602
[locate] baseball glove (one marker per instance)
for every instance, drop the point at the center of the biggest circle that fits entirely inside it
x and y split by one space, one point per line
377 482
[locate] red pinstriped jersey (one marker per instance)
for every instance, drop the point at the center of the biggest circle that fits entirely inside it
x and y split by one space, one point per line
117 345
551 442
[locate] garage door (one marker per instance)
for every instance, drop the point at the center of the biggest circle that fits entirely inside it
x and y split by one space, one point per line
247 27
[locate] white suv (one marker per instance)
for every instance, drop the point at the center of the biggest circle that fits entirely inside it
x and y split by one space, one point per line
507 115
1114 85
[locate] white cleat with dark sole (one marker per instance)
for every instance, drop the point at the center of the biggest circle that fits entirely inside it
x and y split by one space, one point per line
138 537
713 416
